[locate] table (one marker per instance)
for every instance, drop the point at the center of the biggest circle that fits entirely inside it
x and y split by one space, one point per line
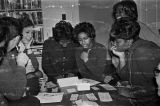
118 100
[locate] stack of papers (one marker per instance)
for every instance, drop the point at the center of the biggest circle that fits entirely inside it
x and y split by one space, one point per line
85 103
74 81
50 97
108 87
104 97
66 82
90 81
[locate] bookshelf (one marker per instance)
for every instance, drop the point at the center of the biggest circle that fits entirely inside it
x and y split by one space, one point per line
29 8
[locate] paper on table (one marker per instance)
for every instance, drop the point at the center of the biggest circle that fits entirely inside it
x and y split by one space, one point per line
71 81
71 90
89 103
85 103
83 86
108 87
104 97
50 97
90 81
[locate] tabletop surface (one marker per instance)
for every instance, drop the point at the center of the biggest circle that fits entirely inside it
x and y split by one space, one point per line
118 100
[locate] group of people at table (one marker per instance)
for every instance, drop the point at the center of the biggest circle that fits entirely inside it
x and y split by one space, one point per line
135 58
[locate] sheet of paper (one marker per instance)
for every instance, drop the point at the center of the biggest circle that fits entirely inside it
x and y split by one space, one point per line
71 81
74 97
72 90
104 97
90 81
83 86
95 88
89 103
50 97
85 103
78 102
91 97
108 87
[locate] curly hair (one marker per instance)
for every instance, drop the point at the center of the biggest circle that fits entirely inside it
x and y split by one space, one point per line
14 26
125 29
4 35
63 30
86 28
127 7
25 21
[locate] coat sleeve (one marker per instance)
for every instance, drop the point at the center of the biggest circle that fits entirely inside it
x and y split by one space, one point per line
146 60
46 65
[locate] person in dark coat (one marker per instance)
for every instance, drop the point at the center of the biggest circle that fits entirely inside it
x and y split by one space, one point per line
137 60
58 55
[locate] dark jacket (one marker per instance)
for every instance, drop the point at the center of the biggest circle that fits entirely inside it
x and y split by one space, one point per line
142 58
95 66
57 60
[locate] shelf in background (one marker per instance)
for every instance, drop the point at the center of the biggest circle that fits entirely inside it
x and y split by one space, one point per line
23 10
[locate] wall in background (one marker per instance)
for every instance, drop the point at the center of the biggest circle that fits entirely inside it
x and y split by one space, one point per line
53 10
98 12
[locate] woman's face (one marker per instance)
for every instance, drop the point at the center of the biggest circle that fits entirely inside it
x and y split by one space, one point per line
122 44
27 35
84 40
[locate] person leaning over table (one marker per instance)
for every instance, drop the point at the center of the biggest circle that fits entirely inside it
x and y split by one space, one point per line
58 55
90 56
13 82
137 60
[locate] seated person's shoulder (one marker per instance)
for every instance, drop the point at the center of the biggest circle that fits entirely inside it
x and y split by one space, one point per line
101 46
49 40
148 48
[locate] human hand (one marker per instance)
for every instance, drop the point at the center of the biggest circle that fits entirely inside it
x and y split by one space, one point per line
107 79
115 61
84 56
50 84
22 59
70 75
34 86
21 47
117 53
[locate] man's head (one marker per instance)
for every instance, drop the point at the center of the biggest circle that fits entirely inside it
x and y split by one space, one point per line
124 32
84 33
126 8
63 33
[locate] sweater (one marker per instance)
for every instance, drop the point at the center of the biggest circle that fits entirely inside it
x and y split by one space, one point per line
95 66
141 60
58 60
